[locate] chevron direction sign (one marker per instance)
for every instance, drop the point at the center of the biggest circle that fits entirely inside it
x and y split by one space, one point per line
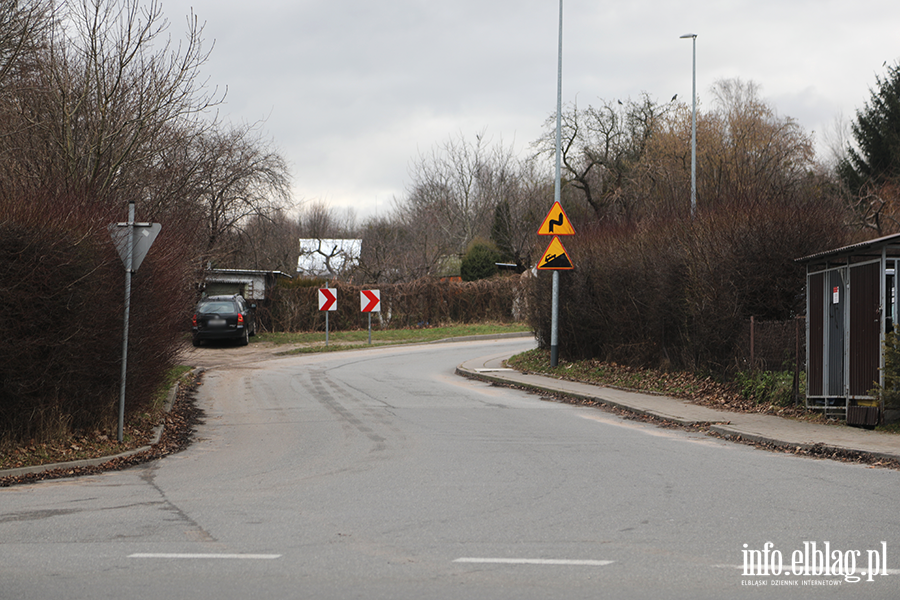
370 301
327 299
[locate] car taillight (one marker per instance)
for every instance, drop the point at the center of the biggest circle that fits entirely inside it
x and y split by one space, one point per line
194 321
240 319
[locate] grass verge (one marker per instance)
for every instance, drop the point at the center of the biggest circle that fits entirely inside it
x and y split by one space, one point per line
699 389
344 340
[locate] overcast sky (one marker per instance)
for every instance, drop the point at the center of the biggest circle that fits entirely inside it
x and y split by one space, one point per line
353 91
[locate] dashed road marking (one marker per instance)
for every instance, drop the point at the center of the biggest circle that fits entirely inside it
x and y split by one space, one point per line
205 556
536 561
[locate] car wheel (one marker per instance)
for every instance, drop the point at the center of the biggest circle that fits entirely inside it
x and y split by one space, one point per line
196 342
246 338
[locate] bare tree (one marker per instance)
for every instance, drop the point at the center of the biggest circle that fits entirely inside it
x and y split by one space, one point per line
601 147
264 243
756 154
318 220
111 86
747 154
876 208
456 187
382 242
238 177
23 26
518 215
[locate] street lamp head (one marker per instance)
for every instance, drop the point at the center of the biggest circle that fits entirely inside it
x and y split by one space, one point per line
688 35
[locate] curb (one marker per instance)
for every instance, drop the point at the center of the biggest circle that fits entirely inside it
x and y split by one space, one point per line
621 406
483 336
95 462
719 428
733 435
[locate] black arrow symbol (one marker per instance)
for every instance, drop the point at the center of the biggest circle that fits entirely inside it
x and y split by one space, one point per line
559 222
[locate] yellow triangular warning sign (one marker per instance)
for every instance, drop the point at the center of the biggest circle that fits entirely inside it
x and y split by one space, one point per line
555 257
556 222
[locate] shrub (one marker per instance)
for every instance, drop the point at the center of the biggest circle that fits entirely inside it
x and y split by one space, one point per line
890 393
676 292
480 262
63 296
767 387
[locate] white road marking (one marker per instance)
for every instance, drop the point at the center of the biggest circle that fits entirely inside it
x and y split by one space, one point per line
226 556
536 561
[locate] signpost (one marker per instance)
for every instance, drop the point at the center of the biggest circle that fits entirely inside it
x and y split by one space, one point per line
132 240
551 222
369 302
555 258
327 303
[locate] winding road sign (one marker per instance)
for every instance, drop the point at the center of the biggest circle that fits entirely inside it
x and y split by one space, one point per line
556 222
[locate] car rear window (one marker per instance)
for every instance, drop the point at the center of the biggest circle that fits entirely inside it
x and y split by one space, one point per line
220 307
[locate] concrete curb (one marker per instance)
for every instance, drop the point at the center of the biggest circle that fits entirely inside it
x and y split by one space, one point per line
95 462
722 428
483 336
819 448
464 372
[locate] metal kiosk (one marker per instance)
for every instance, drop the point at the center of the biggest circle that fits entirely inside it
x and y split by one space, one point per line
851 303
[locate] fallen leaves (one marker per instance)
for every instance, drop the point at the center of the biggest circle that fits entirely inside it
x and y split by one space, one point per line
697 389
180 424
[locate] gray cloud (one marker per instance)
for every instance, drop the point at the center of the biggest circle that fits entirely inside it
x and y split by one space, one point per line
353 90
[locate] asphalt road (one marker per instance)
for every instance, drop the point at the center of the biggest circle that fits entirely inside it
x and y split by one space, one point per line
381 474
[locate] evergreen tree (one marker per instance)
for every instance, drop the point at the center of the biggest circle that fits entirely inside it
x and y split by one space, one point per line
876 160
480 262
500 233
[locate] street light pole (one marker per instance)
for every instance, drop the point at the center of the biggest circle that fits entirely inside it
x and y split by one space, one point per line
693 37
554 298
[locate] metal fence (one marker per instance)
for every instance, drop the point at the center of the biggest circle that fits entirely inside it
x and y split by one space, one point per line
774 346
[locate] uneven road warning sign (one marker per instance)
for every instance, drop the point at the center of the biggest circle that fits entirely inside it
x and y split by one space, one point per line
555 257
556 222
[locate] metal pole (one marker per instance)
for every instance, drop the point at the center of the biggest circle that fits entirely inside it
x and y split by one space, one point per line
370 328
694 132
129 257
326 328
554 322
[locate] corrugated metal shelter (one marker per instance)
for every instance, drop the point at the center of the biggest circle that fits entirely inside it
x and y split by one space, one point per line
251 284
851 302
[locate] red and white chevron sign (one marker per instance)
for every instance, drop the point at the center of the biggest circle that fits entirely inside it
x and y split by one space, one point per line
327 299
370 301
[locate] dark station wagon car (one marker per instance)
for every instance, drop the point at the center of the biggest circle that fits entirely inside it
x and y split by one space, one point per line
223 318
